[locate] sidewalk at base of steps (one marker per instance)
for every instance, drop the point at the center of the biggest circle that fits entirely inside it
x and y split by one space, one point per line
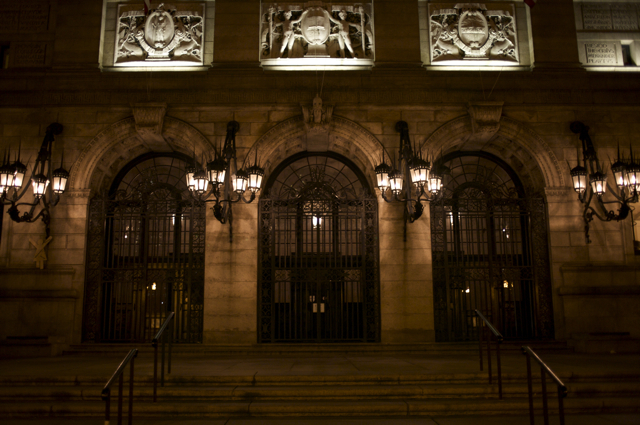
605 419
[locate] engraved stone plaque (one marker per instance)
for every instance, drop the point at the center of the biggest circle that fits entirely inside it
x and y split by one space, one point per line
624 17
9 16
28 54
597 17
34 17
603 53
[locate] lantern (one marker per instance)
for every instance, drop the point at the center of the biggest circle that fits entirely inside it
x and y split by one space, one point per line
60 178
579 177
255 178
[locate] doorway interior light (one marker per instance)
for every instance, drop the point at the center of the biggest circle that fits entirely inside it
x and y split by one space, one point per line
590 182
48 185
222 182
413 180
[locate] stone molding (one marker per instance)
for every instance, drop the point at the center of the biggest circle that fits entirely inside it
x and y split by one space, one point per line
346 138
563 194
485 119
514 131
78 193
120 142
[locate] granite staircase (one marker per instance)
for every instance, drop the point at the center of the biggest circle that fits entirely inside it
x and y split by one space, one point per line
431 395
281 395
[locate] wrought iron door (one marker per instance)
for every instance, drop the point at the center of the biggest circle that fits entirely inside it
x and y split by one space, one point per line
318 251
145 256
490 253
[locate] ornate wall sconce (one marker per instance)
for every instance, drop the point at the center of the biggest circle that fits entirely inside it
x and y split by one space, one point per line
47 185
590 182
223 180
413 173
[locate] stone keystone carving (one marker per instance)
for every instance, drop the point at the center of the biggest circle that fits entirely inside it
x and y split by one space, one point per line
468 31
485 119
149 118
317 122
317 30
166 33
317 116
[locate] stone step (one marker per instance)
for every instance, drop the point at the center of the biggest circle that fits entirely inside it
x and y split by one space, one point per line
316 349
342 392
306 380
401 407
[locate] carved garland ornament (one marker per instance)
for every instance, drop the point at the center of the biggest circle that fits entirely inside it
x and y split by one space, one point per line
317 30
469 31
163 34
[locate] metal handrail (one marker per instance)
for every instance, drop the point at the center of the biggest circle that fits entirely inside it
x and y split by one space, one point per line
154 343
106 391
544 370
499 339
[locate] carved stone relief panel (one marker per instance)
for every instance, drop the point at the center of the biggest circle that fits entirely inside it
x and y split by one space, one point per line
471 32
317 33
167 35
610 16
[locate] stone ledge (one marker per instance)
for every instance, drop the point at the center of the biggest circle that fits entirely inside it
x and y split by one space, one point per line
599 290
37 293
28 270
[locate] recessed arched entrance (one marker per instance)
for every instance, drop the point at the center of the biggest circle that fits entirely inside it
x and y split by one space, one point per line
145 254
318 276
490 252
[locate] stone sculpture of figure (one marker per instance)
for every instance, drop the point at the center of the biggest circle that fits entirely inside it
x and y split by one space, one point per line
188 44
502 32
343 32
288 37
128 47
318 115
443 37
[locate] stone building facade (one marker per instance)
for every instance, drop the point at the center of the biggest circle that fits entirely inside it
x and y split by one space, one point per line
504 95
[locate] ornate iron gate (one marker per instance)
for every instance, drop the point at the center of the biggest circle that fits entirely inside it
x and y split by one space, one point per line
145 256
490 253
318 255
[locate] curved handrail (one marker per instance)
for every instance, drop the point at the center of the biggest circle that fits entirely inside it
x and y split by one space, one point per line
164 326
490 326
107 388
558 381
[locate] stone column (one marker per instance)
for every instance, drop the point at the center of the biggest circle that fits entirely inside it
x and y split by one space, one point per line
406 286
231 271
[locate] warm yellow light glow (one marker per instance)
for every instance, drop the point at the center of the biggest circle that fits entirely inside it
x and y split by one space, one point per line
153 286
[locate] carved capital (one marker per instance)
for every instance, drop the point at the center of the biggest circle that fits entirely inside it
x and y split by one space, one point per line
559 194
485 119
149 118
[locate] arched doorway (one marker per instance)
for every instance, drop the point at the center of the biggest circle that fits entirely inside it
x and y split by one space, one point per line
490 252
318 275
145 254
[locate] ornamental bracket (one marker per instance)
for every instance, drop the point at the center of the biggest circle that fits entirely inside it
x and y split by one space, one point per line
149 118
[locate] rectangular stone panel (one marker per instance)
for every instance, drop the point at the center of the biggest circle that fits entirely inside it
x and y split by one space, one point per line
28 54
597 17
625 17
602 53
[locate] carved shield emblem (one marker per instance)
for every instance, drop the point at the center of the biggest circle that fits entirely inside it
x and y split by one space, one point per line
315 25
473 29
159 29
